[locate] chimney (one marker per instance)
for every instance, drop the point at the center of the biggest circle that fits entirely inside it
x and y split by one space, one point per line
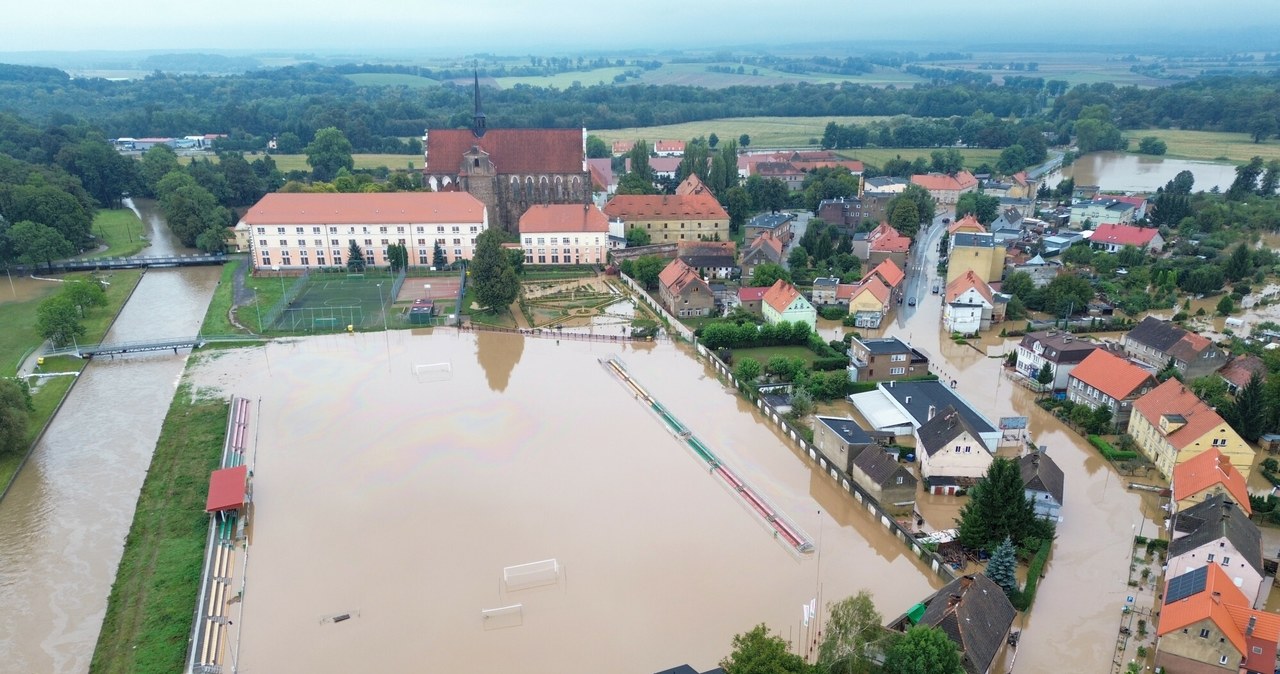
1217 597
954 599
1253 621
932 409
907 401
965 582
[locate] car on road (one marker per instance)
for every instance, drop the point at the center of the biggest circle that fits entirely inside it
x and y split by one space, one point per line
911 301
936 288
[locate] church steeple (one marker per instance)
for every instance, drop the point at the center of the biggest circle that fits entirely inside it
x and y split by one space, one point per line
477 118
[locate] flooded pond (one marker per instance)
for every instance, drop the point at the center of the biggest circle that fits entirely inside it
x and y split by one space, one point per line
401 499
1124 172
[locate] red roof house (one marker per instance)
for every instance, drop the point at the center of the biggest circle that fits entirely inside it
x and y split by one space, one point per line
1114 237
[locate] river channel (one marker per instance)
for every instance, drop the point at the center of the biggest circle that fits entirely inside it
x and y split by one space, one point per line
62 525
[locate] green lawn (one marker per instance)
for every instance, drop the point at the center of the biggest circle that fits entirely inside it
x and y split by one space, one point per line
502 319
392 80
267 291
764 131
215 319
150 608
1208 145
764 353
121 231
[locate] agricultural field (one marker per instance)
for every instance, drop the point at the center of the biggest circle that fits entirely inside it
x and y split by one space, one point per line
392 80
764 131
877 156
696 74
1208 145
562 80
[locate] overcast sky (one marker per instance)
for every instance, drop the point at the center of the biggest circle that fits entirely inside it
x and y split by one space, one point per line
516 26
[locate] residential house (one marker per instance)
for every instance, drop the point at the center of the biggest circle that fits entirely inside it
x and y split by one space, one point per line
669 218
884 359
1217 532
968 224
712 259
1059 242
1157 342
840 440
669 148
1206 475
621 147
890 274
973 612
602 178
1105 379
1042 481
824 290
900 407
884 186
869 302
788 173
889 482
848 213
979 253
1061 350
666 168
314 230
882 243
968 305
764 249
1171 424
777 224
783 302
564 234
1240 369
952 453
1100 211
1025 206
751 299
1113 238
683 292
1008 227
946 189
845 293
1041 271
1207 625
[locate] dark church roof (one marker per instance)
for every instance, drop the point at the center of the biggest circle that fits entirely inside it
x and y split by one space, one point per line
526 151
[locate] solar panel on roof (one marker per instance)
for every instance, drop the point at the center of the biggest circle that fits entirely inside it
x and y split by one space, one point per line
1186 585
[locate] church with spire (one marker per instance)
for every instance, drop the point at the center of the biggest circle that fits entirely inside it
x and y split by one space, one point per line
508 170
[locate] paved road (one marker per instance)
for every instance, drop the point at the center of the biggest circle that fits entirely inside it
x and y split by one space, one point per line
922 267
798 227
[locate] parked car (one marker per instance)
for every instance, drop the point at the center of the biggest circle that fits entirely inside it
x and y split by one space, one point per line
911 301
936 289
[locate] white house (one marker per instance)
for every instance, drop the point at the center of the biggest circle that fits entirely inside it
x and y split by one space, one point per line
1217 531
952 452
1061 350
564 234
782 302
968 305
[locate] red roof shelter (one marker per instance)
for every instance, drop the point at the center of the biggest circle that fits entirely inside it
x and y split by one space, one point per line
226 489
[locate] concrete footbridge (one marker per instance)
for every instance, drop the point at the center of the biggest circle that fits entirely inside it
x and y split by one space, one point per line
136 262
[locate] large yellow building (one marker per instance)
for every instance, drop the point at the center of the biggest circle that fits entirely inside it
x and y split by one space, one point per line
979 253
1171 425
672 217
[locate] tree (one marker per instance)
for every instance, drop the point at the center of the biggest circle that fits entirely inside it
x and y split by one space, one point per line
1012 159
84 294
1020 285
798 258
597 148
767 194
758 652
34 243
328 152
190 209
904 217
105 173
998 508
744 140
155 164
15 414
491 273
1246 181
1045 375
853 626
57 321
747 371
397 256
1100 420
638 237
1239 264
355 257
1152 145
925 207
47 205
438 258
647 268
713 140
986 209
1226 306
767 274
1262 126
1002 568
801 404
923 650
1248 415
737 203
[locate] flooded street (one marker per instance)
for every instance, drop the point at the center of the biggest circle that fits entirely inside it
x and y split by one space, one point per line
400 498
1124 172
62 526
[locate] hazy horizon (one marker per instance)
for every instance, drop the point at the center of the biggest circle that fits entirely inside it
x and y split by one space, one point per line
492 26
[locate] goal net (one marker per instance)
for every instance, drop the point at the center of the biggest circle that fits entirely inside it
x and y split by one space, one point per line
503 616
533 574
433 372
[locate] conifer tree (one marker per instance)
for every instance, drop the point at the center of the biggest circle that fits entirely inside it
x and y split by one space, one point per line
1002 568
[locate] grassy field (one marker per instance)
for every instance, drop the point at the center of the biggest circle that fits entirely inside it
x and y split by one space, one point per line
1208 145
392 80
879 155
564 80
696 74
298 162
764 131
764 353
215 319
154 596
121 231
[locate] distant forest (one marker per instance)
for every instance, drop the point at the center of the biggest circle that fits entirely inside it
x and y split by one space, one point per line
300 100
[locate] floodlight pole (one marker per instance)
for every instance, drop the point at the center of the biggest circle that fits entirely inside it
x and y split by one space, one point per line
386 332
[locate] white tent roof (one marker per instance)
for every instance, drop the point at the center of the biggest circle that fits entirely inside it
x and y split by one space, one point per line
879 410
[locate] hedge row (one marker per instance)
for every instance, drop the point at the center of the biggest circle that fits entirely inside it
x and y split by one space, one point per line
1028 594
1111 453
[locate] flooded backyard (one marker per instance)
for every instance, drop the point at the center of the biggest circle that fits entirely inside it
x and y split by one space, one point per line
400 500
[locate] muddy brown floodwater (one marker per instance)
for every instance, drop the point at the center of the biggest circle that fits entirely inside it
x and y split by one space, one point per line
389 492
62 525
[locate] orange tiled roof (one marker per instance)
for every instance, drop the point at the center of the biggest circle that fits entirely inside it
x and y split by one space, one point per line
877 289
1124 235
691 185
969 280
1173 397
1111 374
1204 605
543 218
676 207
968 223
941 181
767 239
888 272
1240 370
884 238
365 208
1259 629
668 146
780 295
677 276
846 291
1206 469
752 294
